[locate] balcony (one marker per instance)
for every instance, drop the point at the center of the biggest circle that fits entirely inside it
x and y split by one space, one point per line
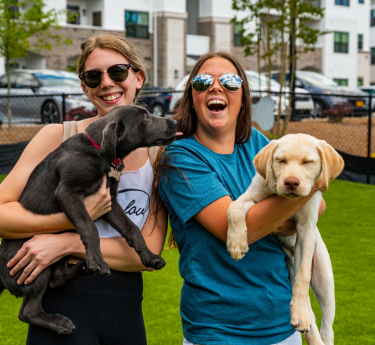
85 13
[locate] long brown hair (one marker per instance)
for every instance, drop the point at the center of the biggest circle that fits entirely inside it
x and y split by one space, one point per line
186 116
187 120
116 43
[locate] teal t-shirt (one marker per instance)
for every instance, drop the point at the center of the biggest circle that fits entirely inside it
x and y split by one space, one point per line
223 301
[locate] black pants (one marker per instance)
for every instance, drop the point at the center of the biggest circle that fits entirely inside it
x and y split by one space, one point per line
104 310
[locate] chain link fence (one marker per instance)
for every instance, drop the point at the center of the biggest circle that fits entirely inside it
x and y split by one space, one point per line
344 121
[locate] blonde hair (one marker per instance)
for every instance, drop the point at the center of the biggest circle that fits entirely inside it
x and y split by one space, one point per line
115 43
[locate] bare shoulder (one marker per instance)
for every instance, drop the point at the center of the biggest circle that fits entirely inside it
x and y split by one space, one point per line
47 140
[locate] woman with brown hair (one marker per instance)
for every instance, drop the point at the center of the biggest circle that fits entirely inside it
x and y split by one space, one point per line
104 310
224 301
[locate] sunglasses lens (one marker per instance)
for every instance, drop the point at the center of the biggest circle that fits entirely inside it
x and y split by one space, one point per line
118 73
231 82
201 82
92 79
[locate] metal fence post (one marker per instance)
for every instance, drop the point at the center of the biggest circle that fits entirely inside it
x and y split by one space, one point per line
63 106
368 177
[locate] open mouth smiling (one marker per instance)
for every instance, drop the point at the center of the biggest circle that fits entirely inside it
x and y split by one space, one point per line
216 105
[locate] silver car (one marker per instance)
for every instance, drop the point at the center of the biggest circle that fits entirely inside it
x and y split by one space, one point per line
37 95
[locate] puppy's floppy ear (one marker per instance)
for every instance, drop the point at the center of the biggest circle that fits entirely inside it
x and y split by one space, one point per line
263 160
112 135
332 162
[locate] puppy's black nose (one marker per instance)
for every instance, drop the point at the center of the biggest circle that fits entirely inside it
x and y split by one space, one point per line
291 183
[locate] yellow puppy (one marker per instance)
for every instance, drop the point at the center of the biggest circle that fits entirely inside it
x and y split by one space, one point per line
289 167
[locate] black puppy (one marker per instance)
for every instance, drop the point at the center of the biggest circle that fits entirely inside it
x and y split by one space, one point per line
61 181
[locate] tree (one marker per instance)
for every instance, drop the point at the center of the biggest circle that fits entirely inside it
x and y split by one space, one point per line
25 26
279 24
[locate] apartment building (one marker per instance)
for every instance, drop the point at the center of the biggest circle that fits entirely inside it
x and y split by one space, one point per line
171 34
372 41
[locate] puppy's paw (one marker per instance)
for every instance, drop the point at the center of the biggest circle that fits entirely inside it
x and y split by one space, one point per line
153 261
62 325
98 267
300 315
237 245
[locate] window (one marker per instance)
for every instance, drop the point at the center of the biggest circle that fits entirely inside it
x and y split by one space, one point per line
238 30
361 1
14 11
341 82
360 82
341 42
26 80
136 24
360 42
4 81
342 2
97 18
372 50
73 15
372 18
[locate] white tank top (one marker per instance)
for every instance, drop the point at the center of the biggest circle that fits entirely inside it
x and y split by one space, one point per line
134 191
134 196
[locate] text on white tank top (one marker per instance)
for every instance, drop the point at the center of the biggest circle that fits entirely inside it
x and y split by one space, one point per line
134 196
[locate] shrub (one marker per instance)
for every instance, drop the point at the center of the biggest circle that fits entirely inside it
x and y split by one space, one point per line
80 113
338 112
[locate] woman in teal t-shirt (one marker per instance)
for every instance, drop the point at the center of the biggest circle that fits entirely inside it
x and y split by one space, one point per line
224 301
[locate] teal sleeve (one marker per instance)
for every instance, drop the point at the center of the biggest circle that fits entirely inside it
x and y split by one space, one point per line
195 184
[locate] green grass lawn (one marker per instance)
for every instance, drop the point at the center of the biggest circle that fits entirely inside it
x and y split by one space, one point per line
347 228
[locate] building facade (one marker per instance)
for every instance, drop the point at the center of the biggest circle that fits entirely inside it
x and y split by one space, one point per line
171 34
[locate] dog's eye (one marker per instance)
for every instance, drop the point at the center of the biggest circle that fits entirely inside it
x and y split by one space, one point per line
281 160
147 117
307 162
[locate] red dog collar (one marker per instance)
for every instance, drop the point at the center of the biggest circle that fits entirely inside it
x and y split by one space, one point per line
117 161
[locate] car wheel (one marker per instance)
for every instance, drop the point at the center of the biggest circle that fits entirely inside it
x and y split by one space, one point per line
157 110
50 113
318 109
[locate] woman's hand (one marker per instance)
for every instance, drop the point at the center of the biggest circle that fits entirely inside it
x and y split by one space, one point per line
99 203
38 253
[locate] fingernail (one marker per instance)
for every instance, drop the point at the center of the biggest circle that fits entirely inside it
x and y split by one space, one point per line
19 282
8 264
26 282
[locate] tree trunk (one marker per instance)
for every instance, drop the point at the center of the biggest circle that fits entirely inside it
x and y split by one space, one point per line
9 109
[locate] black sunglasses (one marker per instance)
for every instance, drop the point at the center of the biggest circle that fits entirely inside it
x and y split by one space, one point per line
229 81
118 73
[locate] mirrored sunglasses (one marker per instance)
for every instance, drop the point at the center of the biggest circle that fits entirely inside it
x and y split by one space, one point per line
118 73
229 81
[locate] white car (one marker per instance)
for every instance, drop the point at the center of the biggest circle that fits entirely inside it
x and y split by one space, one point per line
304 105
37 95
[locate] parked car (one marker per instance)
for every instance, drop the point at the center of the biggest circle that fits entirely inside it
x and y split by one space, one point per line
304 105
155 99
370 90
324 92
47 86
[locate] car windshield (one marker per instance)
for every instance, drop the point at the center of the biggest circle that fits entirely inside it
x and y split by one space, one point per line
58 79
316 79
254 81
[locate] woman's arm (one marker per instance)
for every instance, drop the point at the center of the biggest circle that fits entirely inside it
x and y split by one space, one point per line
262 219
44 250
16 221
